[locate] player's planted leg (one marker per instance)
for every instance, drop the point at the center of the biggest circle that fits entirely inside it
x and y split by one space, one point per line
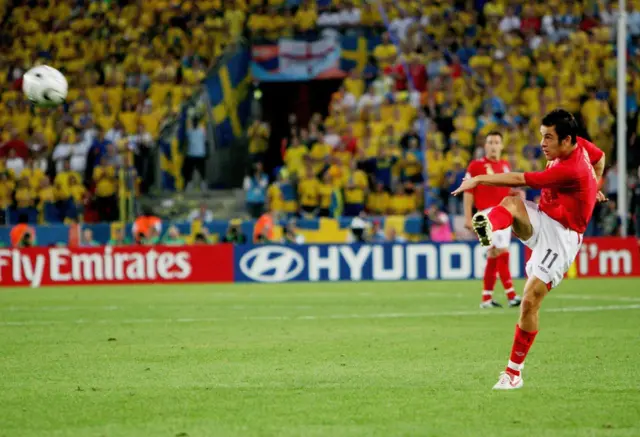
526 330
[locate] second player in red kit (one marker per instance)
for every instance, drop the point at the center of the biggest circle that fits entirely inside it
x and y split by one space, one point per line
485 198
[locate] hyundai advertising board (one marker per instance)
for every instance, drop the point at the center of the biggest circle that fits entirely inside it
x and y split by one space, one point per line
379 262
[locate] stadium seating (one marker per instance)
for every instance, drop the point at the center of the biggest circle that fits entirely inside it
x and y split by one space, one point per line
129 65
474 67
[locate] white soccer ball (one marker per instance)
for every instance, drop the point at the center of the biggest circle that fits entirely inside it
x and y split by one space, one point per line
45 86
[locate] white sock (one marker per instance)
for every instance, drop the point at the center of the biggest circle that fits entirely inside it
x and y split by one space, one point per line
514 366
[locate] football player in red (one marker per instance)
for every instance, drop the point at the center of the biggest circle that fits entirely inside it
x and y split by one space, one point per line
485 198
552 230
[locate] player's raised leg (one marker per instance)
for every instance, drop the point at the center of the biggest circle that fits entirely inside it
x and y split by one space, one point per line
511 212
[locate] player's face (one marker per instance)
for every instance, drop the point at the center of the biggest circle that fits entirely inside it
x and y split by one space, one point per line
551 145
493 147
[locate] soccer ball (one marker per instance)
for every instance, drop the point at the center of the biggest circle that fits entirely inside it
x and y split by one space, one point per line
45 86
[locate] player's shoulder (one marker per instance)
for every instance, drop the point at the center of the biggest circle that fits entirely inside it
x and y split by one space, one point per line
504 164
475 164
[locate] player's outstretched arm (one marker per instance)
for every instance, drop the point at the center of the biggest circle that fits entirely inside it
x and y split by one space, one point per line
492 180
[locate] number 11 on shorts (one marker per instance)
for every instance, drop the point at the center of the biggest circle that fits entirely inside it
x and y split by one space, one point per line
553 258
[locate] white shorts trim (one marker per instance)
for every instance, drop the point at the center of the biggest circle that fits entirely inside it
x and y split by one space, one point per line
553 246
500 239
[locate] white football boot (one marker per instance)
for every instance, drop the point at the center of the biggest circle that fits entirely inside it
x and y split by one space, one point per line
508 381
515 302
482 227
490 304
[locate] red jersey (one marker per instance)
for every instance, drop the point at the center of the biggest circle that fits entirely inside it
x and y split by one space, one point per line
483 195
569 186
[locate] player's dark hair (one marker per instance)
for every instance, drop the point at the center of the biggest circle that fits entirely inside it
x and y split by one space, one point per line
494 133
564 122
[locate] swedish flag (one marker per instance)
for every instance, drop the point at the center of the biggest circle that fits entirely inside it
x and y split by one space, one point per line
172 158
230 97
356 51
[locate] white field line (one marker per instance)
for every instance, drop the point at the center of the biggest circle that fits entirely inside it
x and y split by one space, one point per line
602 297
488 312
54 308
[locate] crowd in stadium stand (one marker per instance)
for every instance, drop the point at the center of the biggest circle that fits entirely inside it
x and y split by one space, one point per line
447 73
129 65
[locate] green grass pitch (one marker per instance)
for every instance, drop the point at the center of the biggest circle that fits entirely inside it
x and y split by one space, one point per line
345 359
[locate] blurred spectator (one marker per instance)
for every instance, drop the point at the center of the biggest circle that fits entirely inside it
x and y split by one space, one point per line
22 235
393 237
510 22
609 219
291 235
611 183
308 193
14 164
358 227
255 187
87 239
454 178
116 133
153 237
440 226
62 152
264 228
386 52
378 200
402 201
139 238
234 234
377 233
355 191
106 183
25 197
95 152
141 144
196 157
201 213
15 143
77 191
327 194
113 158
258 134
118 238
143 224
200 238
173 238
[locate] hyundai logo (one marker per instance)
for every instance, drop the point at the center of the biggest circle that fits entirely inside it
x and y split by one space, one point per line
271 264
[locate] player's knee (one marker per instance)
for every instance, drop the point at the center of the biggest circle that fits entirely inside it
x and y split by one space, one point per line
499 251
531 302
512 203
528 307
492 252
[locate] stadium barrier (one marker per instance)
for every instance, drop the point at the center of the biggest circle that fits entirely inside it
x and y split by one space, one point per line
355 262
273 263
116 265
